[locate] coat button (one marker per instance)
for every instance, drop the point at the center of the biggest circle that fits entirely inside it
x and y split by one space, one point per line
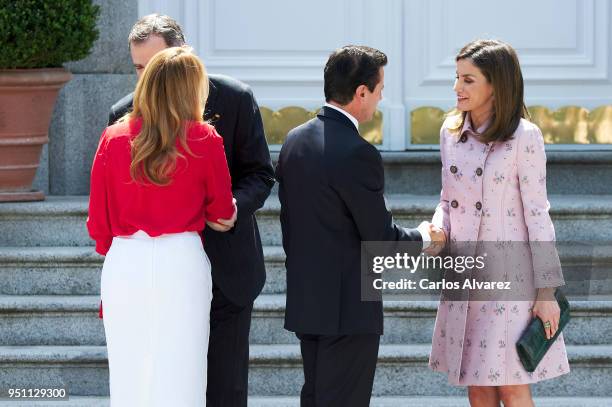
478 205
454 203
479 171
463 138
453 169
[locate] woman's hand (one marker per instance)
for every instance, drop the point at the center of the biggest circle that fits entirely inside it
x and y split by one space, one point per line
547 309
438 240
224 225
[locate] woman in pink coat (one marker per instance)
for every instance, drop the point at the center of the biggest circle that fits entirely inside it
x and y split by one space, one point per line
494 190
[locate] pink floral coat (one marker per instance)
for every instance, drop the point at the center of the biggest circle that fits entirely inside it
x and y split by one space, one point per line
495 192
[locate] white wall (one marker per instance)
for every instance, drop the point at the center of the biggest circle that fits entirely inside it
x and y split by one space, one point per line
279 47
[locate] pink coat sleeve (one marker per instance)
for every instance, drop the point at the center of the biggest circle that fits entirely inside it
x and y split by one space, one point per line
441 217
531 166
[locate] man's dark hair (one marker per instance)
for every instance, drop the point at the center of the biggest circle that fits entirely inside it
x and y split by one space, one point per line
157 24
349 67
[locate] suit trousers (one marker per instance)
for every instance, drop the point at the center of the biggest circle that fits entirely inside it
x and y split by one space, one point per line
156 294
228 352
338 370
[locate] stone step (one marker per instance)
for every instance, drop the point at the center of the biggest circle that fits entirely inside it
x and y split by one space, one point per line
568 172
76 270
49 271
576 218
62 219
275 370
432 401
417 172
412 322
73 320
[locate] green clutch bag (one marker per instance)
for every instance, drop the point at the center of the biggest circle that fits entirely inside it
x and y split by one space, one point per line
533 345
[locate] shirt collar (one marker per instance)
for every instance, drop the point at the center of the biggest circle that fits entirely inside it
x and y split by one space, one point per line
347 114
467 127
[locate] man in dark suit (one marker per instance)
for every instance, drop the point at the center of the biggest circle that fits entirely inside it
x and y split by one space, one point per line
331 192
236 257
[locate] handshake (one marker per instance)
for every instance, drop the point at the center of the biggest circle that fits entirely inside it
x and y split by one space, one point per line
437 236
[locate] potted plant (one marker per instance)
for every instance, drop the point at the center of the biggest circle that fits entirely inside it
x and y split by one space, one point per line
36 38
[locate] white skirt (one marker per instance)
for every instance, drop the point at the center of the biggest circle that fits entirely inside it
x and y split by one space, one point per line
156 294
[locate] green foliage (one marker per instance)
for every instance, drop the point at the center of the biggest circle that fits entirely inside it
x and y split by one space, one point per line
46 33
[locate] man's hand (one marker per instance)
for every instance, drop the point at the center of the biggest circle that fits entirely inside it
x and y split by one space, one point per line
223 225
438 240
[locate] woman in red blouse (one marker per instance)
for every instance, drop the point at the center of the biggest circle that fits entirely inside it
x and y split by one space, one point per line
158 176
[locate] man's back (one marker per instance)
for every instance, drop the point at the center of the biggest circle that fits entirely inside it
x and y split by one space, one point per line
331 186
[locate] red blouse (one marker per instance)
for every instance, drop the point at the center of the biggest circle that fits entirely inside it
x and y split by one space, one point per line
200 187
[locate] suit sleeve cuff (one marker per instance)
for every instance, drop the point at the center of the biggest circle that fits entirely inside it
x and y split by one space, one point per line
424 230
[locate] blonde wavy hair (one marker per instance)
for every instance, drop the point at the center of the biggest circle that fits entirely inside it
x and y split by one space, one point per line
171 92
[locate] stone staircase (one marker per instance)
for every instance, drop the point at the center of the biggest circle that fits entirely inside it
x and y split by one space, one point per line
50 334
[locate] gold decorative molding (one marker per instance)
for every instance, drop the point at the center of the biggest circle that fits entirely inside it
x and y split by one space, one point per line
372 131
574 124
425 123
567 125
278 123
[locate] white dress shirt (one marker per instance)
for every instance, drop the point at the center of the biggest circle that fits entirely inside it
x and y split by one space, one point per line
347 114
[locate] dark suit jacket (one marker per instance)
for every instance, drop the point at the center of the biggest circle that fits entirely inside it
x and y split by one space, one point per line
331 192
236 256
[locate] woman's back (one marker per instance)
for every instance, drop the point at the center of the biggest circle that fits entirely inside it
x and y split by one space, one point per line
199 188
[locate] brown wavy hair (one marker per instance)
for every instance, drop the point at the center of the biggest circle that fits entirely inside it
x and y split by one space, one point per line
170 94
500 65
